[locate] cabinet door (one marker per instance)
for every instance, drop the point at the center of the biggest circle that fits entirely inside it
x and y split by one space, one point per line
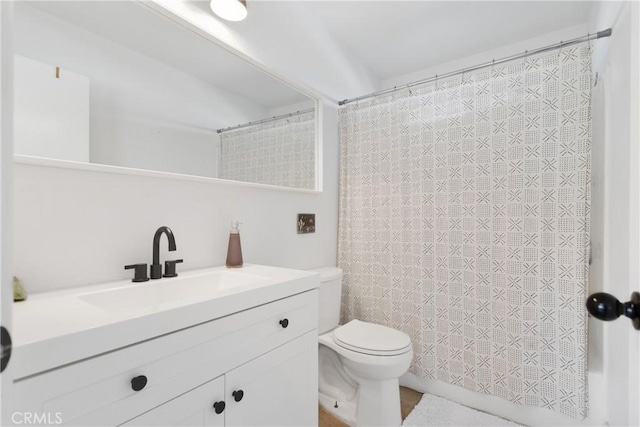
194 408
279 388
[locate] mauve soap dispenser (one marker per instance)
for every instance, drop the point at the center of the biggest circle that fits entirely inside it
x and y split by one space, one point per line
234 253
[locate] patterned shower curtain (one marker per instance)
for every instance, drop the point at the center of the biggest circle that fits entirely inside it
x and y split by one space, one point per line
279 152
464 222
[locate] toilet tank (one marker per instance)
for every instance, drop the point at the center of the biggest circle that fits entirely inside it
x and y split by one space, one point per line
330 297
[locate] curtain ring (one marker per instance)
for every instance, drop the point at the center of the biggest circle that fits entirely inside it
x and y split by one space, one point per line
560 49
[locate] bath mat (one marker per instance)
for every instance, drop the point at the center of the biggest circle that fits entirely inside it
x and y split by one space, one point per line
436 411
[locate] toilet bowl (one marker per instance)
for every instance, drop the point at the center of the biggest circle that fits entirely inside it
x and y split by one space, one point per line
359 362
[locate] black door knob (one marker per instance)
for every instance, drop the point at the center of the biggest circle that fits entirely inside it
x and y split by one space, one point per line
138 383
606 307
219 407
237 395
5 346
284 323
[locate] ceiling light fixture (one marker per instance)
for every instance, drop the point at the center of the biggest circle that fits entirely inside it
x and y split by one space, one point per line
231 10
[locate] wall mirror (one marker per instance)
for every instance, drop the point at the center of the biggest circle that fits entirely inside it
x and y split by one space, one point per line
120 84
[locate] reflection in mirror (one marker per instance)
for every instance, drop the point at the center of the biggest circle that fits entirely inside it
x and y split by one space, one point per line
119 83
276 151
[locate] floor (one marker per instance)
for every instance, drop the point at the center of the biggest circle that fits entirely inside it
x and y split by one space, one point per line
408 400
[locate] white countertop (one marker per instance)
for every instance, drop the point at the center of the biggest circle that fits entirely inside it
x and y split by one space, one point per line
56 328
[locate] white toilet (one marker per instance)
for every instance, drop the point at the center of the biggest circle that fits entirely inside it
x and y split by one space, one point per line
359 362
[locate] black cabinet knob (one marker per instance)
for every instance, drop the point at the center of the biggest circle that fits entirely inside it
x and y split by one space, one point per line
237 395
284 323
606 307
219 407
138 383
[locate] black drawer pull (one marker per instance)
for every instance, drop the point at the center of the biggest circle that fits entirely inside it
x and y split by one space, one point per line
219 407
238 395
138 383
284 323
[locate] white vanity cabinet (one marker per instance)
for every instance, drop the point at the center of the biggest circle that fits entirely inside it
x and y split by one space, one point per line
268 352
271 390
194 408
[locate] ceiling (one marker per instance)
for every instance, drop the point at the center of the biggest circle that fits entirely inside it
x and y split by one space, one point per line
392 38
342 48
337 48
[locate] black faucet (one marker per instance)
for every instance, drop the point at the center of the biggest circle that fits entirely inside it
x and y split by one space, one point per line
156 267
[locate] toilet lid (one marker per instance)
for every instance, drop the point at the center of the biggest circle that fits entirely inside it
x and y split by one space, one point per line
370 338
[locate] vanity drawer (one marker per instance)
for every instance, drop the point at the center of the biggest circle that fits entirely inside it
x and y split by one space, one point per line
98 391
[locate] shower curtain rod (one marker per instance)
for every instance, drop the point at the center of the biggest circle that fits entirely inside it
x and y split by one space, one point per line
270 119
526 53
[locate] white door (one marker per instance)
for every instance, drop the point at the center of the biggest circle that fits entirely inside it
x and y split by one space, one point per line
634 249
278 388
6 160
202 406
616 190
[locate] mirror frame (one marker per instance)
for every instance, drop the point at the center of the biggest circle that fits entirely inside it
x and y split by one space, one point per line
175 12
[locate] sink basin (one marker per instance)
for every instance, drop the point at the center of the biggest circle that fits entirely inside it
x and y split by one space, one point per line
156 295
77 323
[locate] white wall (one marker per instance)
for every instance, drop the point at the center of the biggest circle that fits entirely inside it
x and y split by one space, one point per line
143 114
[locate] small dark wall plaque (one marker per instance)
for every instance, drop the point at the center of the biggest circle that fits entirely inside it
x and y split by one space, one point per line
306 223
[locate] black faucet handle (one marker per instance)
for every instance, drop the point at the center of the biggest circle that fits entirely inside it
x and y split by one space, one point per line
140 272
170 268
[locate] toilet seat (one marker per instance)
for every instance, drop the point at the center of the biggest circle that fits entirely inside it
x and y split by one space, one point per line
371 339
